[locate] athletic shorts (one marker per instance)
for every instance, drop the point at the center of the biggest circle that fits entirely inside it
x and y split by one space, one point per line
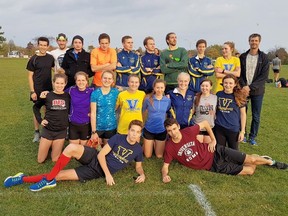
90 168
276 70
53 135
106 134
204 133
228 161
79 131
154 136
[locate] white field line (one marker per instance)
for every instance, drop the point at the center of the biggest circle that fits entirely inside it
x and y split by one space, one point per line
200 197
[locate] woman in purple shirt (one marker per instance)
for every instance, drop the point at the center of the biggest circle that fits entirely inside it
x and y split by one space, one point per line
79 117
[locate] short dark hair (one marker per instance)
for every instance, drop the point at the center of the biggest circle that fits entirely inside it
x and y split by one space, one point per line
126 37
170 121
146 40
168 36
200 42
254 35
43 39
103 36
135 122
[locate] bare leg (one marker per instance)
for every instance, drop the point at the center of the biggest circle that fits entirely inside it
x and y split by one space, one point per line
44 146
69 174
57 147
83 142
256 160
35 122
148 147
159 147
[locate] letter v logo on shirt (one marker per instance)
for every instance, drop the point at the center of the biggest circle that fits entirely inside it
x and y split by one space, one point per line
132 104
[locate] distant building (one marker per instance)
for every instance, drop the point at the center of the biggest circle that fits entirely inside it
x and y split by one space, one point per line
13 54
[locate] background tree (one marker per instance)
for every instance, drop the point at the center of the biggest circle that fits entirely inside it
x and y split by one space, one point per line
281 52
2 38
214 51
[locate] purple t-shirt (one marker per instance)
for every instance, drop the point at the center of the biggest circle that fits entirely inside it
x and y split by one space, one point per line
122 153
80 105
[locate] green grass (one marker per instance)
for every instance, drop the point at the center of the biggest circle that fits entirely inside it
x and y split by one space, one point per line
265 193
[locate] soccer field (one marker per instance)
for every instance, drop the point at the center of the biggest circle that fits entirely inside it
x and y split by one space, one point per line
189 193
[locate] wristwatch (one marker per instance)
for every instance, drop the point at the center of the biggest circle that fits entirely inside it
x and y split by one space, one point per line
93 132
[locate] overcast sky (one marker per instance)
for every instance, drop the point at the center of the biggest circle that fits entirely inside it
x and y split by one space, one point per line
216 21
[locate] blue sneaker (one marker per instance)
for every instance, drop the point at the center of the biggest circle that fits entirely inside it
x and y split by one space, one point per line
253 141
14 180
43 184
244 140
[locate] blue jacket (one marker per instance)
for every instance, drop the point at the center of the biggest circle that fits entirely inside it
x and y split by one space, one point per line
149 60
127 60
198 71
181 108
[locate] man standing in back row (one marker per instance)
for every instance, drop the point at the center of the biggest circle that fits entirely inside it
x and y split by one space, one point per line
173 61
254 73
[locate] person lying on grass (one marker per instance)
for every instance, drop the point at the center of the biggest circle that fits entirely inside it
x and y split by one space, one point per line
184 147
121 150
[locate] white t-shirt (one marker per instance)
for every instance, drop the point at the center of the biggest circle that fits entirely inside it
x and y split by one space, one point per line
251 63
58 55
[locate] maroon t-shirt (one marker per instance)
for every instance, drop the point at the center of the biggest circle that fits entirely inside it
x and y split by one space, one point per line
189 151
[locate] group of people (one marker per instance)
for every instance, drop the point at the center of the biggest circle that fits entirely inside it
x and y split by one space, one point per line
173 96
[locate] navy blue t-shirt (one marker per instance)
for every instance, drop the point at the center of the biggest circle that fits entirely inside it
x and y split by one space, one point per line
228 112
122 153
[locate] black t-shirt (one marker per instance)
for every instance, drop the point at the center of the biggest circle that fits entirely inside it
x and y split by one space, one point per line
41 66
57 111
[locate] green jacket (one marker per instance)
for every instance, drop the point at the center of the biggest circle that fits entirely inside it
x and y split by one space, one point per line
172 62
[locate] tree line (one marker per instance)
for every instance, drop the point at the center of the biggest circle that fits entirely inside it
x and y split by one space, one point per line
212 51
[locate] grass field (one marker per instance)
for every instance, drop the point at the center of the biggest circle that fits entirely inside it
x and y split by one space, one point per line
264 193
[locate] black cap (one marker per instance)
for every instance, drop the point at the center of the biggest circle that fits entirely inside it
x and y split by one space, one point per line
78 37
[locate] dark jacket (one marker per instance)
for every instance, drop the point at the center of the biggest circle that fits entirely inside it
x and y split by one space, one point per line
72 66
257 87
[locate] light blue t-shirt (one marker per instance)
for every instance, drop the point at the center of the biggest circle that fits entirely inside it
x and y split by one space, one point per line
105 109
156 114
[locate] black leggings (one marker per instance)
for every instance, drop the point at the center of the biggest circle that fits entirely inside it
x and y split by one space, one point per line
224 136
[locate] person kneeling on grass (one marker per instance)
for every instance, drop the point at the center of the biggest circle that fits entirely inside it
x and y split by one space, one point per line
121 150
184 147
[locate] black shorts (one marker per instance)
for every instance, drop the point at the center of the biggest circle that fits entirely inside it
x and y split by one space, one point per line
90 168
276 70
227 160
154 136
204 133
53 135
79 131
106 134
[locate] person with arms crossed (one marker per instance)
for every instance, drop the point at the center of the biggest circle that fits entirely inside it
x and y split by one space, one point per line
102 59
115 156
226 64
59 53
254 73
173 61
200 66
150 66
127 63
182 101
184 147
39 69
